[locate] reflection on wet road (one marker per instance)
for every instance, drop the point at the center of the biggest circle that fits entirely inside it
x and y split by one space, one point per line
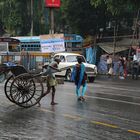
111 112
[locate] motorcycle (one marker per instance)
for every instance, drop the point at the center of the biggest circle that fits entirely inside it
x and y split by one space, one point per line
5 69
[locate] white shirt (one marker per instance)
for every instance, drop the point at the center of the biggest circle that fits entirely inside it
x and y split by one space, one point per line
109 61
135 58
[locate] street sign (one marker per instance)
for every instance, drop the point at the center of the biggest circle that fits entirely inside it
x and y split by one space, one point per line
52 43
52 3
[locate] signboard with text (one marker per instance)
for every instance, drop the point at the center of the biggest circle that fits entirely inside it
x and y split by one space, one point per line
52 43
52 3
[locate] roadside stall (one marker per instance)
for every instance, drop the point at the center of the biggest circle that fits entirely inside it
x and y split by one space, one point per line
121 48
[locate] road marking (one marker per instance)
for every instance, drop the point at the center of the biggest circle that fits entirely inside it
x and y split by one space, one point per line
135 132
72 117
77 118
120 101
65 115
123 88
46 110
113 88
104 124
128 96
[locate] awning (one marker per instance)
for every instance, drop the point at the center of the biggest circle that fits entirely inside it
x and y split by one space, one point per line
110 49
122 45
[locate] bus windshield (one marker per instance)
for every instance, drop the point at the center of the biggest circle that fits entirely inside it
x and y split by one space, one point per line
9 45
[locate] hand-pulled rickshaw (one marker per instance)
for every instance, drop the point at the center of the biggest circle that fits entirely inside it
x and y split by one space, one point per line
24 88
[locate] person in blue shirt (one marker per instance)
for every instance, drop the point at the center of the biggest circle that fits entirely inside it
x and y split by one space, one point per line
79 76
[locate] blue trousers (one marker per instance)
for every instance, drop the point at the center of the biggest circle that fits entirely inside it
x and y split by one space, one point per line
78 92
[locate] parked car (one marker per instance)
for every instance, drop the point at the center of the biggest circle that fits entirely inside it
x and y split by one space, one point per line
70 59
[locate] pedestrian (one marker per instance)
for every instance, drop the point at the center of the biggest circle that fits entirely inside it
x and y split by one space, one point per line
51 79
109 65
109 62
125 67
121 68
79 76
135 67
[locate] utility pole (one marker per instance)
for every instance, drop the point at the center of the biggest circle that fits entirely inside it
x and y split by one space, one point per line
32 24
52 20
52 4
114 41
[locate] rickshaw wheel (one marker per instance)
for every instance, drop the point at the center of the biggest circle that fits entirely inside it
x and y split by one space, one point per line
26 90
7 87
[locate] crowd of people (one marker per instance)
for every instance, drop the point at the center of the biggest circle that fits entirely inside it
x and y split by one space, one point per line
119 66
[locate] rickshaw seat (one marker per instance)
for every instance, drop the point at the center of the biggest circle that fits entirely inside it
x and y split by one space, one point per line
17 70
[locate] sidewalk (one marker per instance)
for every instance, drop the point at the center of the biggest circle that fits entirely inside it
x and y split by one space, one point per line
115 77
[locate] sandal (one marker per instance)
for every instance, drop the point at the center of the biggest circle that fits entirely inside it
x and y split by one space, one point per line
82 98
79 98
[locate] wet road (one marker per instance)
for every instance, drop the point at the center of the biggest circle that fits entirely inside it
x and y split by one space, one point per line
111 112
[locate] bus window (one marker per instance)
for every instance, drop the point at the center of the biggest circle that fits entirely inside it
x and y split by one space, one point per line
13 48
3 46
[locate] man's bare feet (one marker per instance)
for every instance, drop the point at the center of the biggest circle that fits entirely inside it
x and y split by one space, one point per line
39 104
53 103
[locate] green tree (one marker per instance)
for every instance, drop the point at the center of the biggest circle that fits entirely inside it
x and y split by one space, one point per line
16 16
40 17
117 6
82 17
13 16
123 12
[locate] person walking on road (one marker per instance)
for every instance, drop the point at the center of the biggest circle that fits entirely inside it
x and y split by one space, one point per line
79 76
109 62
121 68
135 67
109 66
125 67
51 79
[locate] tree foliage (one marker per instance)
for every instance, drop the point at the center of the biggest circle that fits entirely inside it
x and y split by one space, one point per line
82 17
123 13
85 17
12 15
117 6
16 16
